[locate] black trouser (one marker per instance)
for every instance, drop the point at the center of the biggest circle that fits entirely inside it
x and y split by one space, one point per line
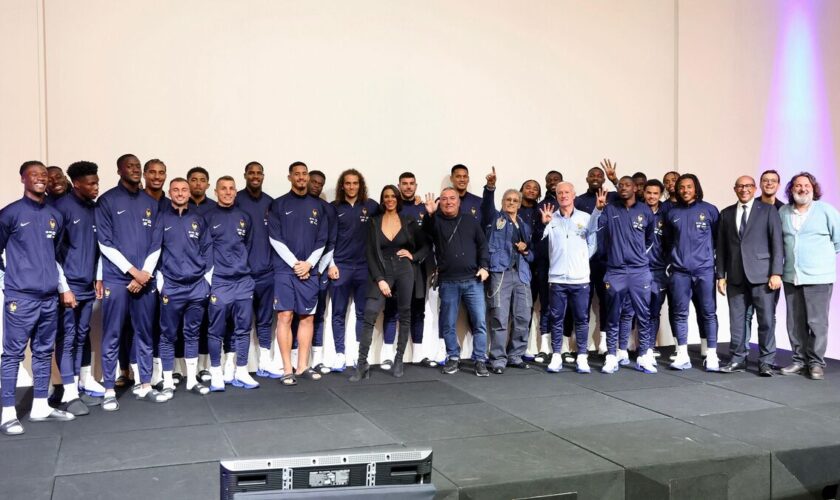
399 274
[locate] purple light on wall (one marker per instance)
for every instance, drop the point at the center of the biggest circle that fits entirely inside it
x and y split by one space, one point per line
797 134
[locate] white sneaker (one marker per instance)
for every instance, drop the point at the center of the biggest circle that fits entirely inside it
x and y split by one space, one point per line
89 385
611 364
157 371
583 364
556 363
217 380
623 357
602 344
682 361
230 367
646 363
244 379
712 363
340 363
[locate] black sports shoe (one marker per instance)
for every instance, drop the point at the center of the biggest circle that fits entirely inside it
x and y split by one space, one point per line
451 366
481 369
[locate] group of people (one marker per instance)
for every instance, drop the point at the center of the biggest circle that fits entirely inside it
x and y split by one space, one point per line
184 279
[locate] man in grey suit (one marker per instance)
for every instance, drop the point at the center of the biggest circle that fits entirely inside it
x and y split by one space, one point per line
749 264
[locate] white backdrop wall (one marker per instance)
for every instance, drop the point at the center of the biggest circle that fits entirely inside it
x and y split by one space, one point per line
391 86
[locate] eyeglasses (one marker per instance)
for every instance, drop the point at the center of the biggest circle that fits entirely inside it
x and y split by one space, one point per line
744 186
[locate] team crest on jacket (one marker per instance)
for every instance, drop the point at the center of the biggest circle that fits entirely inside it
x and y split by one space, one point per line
147 220
213 299
107 292
639 222
472 211
12 307
607 285
50 233
193 232
314 218
241 229
165 299
500 223
701 223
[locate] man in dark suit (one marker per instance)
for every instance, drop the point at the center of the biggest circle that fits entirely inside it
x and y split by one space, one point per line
749 260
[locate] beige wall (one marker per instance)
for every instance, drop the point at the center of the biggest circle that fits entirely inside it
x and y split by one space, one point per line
390 86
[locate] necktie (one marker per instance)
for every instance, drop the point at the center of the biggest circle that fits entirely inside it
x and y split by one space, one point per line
743 222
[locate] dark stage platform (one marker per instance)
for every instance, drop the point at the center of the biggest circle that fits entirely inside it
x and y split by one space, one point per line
519 435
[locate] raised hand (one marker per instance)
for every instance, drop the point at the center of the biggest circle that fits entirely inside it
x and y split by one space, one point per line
547 212
609 167
601 199
491 179
431 203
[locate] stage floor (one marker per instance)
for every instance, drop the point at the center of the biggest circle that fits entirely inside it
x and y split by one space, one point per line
523 434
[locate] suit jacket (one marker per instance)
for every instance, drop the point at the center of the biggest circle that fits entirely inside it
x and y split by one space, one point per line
759 254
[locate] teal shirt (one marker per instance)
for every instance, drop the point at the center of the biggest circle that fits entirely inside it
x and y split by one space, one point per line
810 251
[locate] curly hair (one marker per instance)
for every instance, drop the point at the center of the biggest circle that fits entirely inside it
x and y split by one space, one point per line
340 196
811 179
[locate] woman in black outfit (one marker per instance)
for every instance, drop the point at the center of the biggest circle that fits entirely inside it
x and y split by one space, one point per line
396 247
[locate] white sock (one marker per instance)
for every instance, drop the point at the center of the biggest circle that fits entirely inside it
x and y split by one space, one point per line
265 359
110 393
192 371
317 355
703 346
9 414
682 350
135 372
545 342
157 369
71 392
142 391
84 375
565 346
40 408
203 362
168 383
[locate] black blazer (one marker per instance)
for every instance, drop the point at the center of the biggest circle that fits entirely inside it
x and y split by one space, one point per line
759 255
417 244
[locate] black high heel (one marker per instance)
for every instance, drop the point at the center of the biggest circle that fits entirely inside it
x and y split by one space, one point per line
399 368
362 372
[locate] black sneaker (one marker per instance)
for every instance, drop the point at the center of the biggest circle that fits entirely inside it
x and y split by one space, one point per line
451 366
481 369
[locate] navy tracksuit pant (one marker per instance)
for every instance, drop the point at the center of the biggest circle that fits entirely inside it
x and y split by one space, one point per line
182 308
621 286
124 313
27 321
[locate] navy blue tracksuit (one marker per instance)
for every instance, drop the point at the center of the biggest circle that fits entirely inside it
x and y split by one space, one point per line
324 281
349 257
78 255
259 257
231 287
658 263
186 256
29 234
690 232
539 268
297 229
125 223
627 233
597 264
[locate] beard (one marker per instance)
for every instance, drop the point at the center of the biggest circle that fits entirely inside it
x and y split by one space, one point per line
803 199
